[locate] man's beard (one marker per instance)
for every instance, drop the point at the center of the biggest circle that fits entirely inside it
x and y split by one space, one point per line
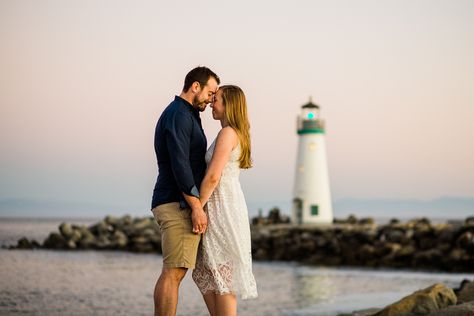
201 106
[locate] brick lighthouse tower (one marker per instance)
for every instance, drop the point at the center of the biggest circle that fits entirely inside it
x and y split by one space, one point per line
311 193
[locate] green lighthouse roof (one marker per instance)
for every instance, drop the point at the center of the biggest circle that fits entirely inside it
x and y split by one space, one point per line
310 105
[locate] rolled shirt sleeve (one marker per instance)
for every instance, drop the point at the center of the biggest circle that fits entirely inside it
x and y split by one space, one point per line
178 139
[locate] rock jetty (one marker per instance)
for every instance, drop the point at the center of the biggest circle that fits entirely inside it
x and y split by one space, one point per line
111 233
417 244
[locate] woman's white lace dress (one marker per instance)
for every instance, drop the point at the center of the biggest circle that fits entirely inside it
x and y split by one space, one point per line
224 261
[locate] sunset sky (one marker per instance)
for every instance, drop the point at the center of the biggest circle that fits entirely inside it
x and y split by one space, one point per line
82 84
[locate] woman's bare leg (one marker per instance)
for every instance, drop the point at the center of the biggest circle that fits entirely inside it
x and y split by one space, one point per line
226 305
210 299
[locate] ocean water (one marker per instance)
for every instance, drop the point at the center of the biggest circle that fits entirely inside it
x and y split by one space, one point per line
44 282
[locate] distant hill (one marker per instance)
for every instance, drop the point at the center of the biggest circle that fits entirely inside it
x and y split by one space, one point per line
446 207
20 207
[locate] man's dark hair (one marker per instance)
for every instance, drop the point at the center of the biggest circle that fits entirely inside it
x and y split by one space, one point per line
200 74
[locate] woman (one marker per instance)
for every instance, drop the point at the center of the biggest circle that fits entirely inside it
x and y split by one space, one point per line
224 264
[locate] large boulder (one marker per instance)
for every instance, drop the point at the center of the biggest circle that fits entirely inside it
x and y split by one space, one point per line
466 293
367 221
55 241
66 230
260 254
141 244
87 240
103 242
119 240
71 233
142 224
422 302
76 234
71 244
366 254
466 241
427 258
459 260
466 309
469 221
101 228
24 243
396 235
112 220
363 312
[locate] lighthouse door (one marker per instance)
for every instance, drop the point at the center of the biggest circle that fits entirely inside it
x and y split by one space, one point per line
298 207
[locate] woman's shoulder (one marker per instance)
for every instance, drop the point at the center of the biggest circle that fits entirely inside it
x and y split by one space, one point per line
229 135
228 131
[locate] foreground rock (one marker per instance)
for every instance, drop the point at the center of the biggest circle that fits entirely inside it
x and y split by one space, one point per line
466 292
435 300
423 302
466 309
364 312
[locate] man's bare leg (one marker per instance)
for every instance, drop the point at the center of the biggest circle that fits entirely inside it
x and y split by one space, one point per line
166 291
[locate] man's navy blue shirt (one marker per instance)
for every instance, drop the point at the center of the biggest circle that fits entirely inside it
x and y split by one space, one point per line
180 147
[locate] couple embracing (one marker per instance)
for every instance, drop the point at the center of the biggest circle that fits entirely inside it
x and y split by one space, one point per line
197 200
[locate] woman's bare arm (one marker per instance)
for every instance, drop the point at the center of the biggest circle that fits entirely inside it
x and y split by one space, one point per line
225 143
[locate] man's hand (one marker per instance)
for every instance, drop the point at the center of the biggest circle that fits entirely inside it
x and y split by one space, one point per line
199 219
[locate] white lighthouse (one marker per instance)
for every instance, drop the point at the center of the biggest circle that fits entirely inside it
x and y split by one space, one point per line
311 194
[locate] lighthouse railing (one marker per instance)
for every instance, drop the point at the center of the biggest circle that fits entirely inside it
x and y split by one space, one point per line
310 124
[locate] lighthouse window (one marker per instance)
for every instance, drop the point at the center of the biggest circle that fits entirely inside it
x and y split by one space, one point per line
310 115
314 210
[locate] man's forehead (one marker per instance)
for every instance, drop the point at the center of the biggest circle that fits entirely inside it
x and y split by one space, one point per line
212 84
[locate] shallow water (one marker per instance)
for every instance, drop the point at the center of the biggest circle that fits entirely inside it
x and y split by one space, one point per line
44 282
12 229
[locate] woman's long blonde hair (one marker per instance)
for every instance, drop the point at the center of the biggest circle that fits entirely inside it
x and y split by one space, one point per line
236 114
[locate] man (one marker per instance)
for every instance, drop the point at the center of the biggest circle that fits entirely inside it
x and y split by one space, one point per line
180 147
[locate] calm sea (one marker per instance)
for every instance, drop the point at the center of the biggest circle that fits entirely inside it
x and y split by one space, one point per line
42 282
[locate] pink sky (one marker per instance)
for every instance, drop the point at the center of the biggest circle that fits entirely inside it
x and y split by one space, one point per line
82 84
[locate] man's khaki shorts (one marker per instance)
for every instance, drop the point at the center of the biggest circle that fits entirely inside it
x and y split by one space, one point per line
178 242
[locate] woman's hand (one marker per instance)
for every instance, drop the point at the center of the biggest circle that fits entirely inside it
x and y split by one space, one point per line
199 219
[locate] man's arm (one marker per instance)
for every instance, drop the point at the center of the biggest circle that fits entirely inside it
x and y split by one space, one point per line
178 138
